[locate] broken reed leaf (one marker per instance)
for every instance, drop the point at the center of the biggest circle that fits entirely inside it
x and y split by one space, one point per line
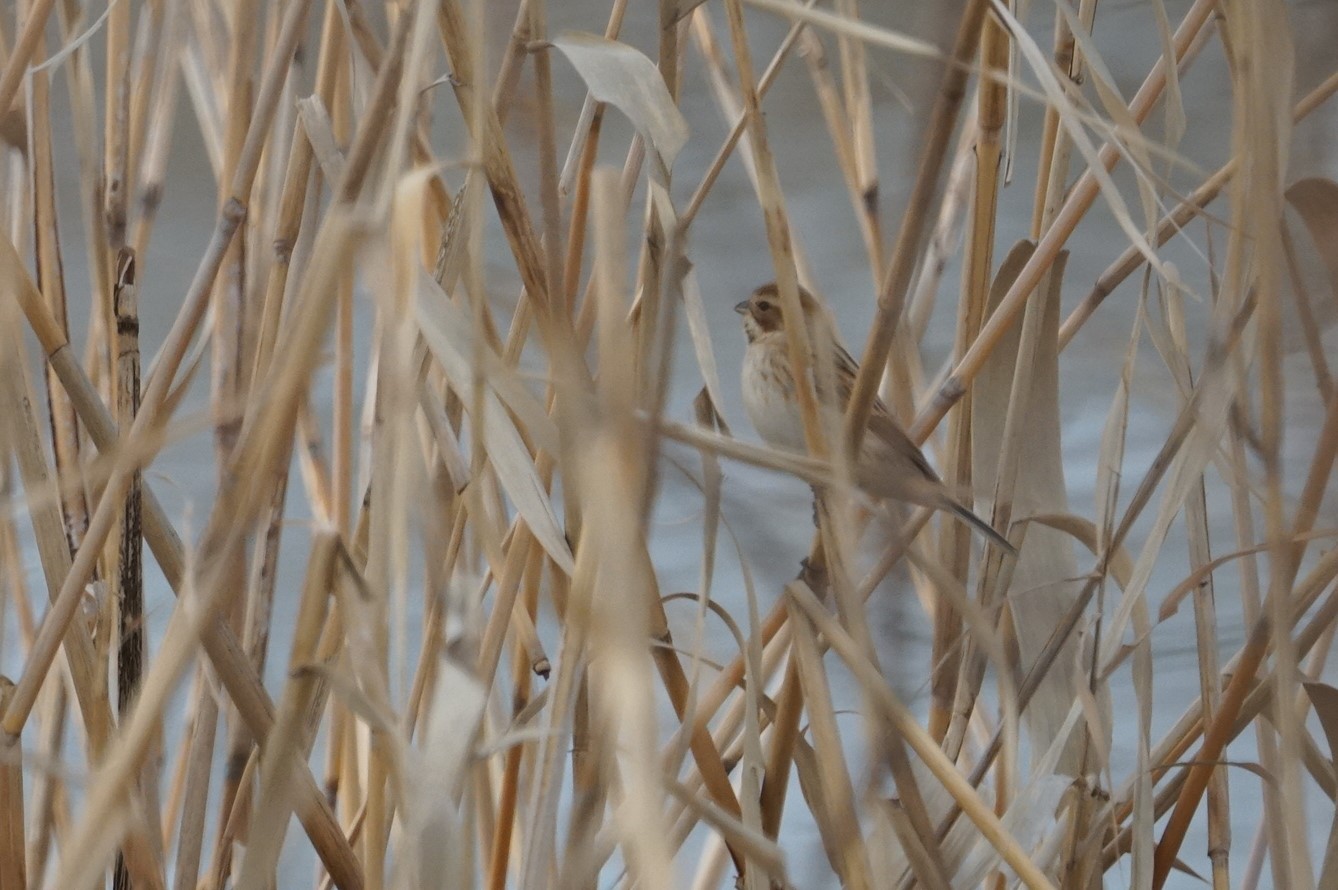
626 79
447 332
1171 604
319 131
681 9
700 332
1315 200
1085 531
1072 117
708 417
1126 128
345 687
1031 813
1324 698
1034 483
14 130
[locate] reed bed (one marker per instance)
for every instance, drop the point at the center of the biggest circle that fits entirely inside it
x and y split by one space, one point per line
418 630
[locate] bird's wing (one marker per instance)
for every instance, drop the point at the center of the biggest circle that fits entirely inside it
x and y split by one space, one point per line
881 422
885 427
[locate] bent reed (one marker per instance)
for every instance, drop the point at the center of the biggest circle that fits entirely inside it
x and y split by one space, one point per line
406 618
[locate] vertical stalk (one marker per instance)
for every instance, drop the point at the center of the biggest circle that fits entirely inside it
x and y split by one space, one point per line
955 543
129 579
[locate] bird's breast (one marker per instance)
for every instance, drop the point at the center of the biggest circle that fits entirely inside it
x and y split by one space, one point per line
769 397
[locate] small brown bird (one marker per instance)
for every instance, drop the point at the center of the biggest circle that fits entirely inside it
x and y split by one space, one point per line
890 465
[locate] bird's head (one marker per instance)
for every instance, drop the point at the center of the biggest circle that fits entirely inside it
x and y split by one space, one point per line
762 312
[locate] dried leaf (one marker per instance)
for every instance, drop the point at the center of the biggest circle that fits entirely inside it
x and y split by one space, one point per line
682 8
1316 201
1325 700
1171 604
1041 587
345 687
443 326
700 331
1086 532
626 79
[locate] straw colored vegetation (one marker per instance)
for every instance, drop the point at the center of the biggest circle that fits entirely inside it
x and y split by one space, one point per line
474 681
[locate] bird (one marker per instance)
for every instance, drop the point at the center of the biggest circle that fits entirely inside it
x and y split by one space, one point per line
890 465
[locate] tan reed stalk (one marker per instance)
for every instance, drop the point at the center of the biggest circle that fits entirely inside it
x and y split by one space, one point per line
116 124
176 785
548 169
1056 145
1205 611
1310 325
1174 747
52 339
475 517
341 434
289 214
1209 752
1175 221
500 840
251 342
852 858
198 765
833 113
675 682
773 637
240 750
99 352
49 801
859 112
260 443
740 125
894 711
230 288
959 653
49 532
51 282
13 848
1080 198
140 80
910 237
276 793
13 874
1256 697
496 159
955 543
1255 102
24 48
190 316
771 200
46 785
128 581
150 155
246 692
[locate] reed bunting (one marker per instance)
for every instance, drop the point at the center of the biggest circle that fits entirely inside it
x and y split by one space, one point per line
890 465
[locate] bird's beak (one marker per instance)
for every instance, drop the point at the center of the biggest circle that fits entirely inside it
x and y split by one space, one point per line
741 308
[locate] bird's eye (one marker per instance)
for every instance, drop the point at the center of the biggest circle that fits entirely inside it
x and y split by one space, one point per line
764 305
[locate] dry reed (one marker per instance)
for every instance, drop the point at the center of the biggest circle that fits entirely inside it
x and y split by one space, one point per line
456 532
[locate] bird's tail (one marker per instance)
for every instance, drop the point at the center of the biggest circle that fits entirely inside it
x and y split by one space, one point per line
981 526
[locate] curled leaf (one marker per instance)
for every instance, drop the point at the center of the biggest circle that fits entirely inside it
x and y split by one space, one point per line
1325 700
1315 200
626 79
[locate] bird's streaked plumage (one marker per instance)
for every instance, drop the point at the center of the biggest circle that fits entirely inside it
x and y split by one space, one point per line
890 464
